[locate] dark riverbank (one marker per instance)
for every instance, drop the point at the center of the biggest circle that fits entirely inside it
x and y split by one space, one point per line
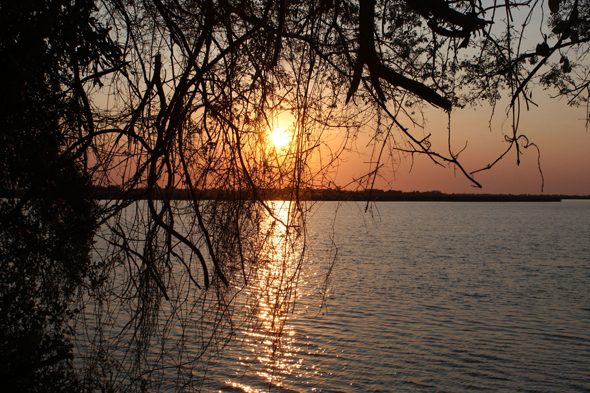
330 195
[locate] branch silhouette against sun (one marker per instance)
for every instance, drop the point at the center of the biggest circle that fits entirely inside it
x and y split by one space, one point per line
166 110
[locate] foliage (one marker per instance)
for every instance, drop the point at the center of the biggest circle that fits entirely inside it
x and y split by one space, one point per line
47 216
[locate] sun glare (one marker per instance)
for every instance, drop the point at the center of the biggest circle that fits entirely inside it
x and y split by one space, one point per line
279 138
280 130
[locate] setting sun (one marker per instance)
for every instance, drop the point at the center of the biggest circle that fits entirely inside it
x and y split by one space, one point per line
279 138
280 130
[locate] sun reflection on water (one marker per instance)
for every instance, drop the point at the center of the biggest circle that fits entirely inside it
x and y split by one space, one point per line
271 294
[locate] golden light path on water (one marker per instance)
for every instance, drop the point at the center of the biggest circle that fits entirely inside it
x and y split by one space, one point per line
271 293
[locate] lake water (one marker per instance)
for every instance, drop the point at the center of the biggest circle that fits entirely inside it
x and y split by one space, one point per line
431 297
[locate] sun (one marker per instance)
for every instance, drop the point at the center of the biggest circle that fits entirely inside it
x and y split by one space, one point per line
280 131
280 138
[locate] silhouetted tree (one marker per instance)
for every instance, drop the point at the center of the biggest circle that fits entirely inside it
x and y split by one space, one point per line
47 215
155 96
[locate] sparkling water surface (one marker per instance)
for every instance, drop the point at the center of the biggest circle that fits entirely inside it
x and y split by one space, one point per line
431 297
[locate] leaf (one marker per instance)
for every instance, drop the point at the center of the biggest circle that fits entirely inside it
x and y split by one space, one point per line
559 27
566 34
542 49
566 67
554 5
574 15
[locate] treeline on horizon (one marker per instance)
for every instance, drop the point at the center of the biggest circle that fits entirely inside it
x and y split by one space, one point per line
310 194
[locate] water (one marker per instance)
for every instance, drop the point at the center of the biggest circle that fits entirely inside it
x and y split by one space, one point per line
433 297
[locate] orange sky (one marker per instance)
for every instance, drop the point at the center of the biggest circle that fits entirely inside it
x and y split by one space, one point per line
557 129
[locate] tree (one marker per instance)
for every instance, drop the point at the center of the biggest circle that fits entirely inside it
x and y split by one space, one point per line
180 95
47 215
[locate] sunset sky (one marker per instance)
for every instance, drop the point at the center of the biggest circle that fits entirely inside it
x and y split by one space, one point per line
559 131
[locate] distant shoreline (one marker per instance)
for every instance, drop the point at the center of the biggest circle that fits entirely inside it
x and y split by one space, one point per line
114 192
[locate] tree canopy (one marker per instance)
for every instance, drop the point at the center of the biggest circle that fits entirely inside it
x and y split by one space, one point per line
155 96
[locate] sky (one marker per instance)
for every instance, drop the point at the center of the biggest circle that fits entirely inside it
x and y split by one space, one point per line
558 130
